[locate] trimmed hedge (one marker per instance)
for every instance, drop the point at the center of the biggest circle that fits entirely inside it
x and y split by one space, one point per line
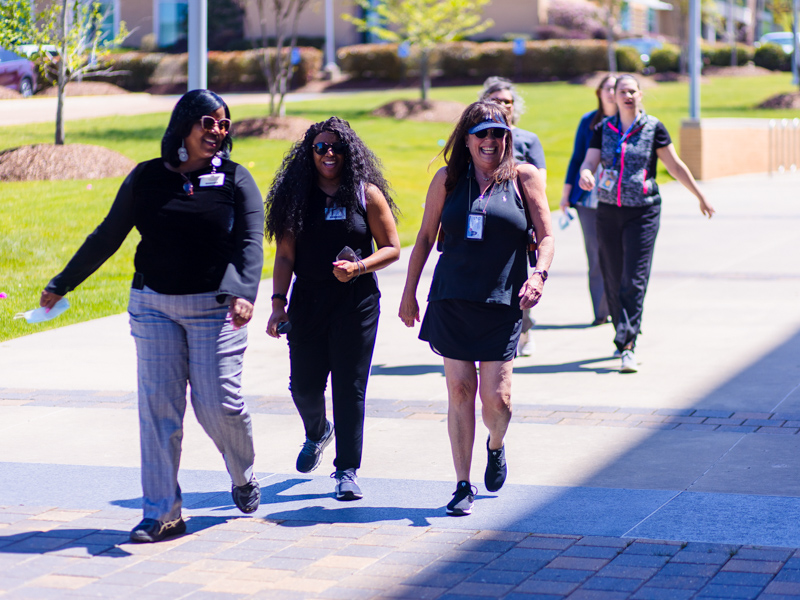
771 56
720 55
552 59
227 71
666 59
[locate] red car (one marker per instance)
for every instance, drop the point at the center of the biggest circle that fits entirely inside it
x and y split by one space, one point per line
17 73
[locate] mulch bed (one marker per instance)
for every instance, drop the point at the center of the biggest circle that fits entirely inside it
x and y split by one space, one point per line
444 111
9 94
790 100
272 128
70 161
85 88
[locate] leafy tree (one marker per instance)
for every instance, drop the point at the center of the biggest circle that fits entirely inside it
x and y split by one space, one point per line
74 28
278 64
423 24
781 13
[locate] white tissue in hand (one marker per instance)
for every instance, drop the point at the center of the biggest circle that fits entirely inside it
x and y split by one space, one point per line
41 314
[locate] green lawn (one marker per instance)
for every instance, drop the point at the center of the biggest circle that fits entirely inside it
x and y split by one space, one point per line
43 223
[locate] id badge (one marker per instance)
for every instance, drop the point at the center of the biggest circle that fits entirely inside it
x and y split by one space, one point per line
212 179
335 213
608 180
475 223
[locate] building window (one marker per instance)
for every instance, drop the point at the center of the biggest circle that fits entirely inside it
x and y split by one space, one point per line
173 22
625 17
109 25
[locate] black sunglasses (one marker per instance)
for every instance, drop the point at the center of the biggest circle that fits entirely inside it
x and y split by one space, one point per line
498 133
322 148
209 123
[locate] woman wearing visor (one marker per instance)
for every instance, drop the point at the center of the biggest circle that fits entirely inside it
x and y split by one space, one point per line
481 285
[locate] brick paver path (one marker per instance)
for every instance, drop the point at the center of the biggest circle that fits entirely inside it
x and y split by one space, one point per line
52 553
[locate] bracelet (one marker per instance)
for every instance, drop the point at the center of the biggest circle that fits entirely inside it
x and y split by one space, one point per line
280 297
360 265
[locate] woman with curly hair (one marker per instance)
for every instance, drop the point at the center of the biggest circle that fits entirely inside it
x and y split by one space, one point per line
484 203
327 205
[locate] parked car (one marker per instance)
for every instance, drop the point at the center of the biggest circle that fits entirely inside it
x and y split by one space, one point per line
30 49
644 45
782 38
17 73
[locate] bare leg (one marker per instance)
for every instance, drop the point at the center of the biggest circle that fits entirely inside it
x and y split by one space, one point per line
495 390
462 386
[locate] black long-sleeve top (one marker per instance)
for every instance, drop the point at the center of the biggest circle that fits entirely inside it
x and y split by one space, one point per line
209 241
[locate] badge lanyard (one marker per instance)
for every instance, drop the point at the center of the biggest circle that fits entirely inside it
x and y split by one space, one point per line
609 177
623 137
477 219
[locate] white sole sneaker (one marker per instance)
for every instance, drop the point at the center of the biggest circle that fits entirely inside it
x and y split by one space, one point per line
629 364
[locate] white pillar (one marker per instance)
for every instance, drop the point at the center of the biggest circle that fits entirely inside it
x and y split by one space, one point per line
198 44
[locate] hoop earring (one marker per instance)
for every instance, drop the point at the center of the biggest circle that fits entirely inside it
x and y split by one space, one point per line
183 155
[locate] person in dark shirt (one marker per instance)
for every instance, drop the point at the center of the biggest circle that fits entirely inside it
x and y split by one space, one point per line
585 203
482 202
527 149
198 266
628 145
327 206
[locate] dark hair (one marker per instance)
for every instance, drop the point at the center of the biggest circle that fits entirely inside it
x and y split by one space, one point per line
627 76
287 200
497 84
456 154
187 112
600 114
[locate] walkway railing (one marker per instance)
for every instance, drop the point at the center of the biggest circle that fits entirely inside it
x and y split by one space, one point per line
784 145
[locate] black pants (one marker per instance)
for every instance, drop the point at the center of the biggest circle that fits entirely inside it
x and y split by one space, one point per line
626 238
333 332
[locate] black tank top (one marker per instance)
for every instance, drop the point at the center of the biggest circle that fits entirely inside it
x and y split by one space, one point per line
494 269
325 234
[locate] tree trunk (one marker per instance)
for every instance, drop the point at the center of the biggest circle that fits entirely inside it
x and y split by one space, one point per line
62 77
424 74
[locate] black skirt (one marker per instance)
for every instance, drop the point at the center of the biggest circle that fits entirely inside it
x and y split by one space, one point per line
472 331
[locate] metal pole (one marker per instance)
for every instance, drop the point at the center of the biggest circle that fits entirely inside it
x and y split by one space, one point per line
331 68
198 44
694 59
795 77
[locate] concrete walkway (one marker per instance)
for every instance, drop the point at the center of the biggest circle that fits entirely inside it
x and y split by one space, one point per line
43 110
679 481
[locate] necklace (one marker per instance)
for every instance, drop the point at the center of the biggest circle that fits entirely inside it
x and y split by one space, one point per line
187 185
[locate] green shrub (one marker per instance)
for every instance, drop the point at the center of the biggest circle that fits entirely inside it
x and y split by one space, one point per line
553 59
720 56
772 57
227 71
666 59
134 69
372 61
629 60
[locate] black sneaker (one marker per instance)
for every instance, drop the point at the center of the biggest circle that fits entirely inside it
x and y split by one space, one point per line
247 497
311 454
150 530
496 469
347 485
463 499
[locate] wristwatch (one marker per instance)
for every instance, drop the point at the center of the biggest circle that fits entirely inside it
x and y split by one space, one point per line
541 272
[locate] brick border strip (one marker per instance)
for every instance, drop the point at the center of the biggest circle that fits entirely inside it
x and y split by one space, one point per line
678 419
